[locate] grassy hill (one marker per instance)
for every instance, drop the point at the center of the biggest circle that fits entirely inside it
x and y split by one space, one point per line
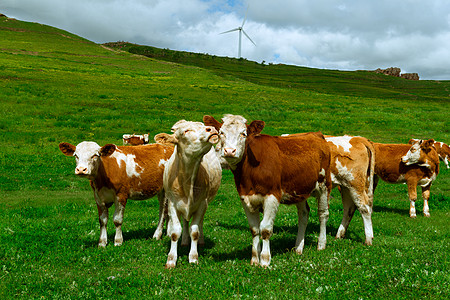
58 87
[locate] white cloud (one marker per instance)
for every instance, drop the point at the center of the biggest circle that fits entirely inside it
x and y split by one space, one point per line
338 34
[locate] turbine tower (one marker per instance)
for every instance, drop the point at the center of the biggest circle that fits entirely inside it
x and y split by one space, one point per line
241 31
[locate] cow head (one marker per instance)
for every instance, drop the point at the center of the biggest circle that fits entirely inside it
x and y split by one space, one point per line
87 156
419 153
233 134
192 138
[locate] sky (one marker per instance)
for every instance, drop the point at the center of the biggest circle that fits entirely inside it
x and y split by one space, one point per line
413 35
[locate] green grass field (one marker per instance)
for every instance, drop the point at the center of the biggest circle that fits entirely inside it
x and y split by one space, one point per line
57 87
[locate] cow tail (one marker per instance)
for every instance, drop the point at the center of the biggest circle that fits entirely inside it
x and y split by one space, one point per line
370 172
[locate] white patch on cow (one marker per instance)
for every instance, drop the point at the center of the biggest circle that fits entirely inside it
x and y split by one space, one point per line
343 172
426 181
285 134
442 144
322 172
163 162
343 141
130 163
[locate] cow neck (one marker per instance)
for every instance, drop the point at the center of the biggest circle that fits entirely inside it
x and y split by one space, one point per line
101 179
188 166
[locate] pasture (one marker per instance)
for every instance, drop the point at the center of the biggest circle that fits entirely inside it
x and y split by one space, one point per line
57 87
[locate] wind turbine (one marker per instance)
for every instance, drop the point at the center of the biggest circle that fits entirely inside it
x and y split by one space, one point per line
241 31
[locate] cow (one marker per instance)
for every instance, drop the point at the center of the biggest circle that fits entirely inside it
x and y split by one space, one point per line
135 139
191 179
416 164
118 173
272 170
352 169
442 149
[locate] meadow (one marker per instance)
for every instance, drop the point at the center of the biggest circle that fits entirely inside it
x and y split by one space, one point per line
58 87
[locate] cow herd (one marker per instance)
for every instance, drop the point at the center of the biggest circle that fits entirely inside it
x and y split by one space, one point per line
184 169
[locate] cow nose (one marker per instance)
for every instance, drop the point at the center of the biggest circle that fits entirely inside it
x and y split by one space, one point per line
81 171
404 159
229 152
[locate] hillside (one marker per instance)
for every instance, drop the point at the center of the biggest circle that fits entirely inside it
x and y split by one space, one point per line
349 83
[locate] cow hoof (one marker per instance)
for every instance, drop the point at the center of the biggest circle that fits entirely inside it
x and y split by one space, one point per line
254 262
412 216
170 265
102 244
427 215
157 235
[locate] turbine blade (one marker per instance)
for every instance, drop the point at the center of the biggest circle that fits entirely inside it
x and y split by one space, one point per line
230 30
248 37
245 18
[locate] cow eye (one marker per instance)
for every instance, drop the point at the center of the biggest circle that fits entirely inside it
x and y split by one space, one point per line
243 134
76 156
186 131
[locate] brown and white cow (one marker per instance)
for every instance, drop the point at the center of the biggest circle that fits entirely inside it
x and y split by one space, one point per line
352 169
416 164
442 149
118 173
272 170
191 180
135 139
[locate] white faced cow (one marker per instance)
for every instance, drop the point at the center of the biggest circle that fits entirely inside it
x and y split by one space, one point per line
269 170
416 164
442 149
118 173
191 180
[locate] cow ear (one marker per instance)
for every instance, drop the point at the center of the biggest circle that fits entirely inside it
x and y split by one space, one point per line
412 141
255 127
107 150
164 138
210 121
427 144
67 149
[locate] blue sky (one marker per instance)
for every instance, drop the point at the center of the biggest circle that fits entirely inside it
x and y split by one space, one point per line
413 35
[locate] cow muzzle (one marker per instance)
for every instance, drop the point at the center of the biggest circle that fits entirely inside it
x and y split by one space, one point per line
229 152
83 171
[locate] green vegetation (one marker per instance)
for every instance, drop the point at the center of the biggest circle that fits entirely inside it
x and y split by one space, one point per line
55 87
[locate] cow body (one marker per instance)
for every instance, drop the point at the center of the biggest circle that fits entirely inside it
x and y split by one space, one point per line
118 173
269 171
191 180
442 149
352 169
416 164
135 139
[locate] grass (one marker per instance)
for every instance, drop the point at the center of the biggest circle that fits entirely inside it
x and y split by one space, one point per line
57 87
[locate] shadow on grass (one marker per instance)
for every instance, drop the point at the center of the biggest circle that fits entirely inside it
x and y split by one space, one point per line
282 240
399 211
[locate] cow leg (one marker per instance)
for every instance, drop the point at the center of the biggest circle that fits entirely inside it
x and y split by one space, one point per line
322 205
253 222
303 214
174 228
103 220
201 239
194 231
349 207
426 197
412 193
271 204
118 221
185 234
162 215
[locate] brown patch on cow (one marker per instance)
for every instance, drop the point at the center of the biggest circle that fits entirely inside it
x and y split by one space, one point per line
174 237
195 236
265 234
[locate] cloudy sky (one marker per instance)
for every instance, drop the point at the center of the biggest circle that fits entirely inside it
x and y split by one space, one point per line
333 34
